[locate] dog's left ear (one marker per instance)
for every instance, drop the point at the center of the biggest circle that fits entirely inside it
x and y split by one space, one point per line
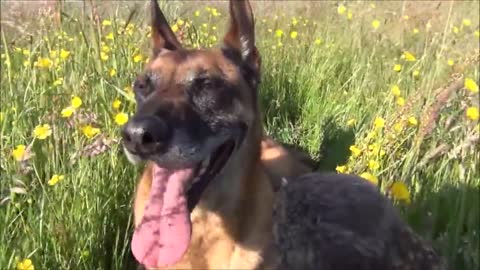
162 35
241 34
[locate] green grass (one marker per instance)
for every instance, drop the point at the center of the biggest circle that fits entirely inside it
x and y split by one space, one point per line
309 92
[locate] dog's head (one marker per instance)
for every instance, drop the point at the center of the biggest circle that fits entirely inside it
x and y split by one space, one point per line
195 108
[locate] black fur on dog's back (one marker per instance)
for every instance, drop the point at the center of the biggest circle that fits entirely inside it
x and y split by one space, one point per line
334 221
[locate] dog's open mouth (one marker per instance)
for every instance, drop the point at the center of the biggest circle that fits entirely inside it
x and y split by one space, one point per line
163 236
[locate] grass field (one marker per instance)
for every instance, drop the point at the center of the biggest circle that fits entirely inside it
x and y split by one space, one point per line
388 91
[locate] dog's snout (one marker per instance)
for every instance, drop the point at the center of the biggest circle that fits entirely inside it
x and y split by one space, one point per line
145 132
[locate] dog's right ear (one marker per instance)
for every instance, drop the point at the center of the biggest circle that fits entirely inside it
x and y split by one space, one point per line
162 35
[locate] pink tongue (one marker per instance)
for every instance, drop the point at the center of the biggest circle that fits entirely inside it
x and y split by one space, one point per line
163 236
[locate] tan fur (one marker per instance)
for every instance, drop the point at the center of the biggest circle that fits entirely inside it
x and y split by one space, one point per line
212 244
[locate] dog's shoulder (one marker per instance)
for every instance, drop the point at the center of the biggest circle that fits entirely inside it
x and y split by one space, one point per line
283 161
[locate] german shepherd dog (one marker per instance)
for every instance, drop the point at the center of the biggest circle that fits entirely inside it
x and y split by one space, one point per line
206 198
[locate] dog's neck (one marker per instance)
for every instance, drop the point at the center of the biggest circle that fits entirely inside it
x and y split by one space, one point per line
234 190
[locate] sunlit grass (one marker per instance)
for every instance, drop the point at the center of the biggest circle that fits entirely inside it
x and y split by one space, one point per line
365 92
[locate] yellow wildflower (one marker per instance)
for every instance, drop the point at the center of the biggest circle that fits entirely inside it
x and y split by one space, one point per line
67 112
197 13
455 30
278 33
355 151
450 62
58 82
477 33
429 25
396 90
398 127
400 101
128 89
26 52
106 23
90 131
113 72
349 15
294 21
341 169
64 54
400 192
415 31
406 17
375 24
44 63
370 177
121 119
41 132
371 135
175 28
409 56
110 36
466 22
293 34
379 123
373 165
76 102
416 73
105 48
472 113
26 264
55 179
103 56
397 67
116 104
375 150
412 121
318 41
53 54
341 9
215 13
471 85
137 58
19 152
351 122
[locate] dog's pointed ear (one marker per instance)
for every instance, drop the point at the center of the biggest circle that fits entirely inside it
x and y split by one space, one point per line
162 35
241 33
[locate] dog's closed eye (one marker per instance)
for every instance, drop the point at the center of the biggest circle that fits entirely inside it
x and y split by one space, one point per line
142 87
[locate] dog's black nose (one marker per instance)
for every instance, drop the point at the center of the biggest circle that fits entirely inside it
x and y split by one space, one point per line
145 133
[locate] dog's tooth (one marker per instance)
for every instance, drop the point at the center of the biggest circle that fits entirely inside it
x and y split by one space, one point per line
205 162
202 171
196 179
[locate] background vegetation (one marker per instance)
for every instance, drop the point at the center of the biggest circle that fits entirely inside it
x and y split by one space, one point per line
388 91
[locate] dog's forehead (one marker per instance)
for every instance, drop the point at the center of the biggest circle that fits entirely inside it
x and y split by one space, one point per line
181 65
